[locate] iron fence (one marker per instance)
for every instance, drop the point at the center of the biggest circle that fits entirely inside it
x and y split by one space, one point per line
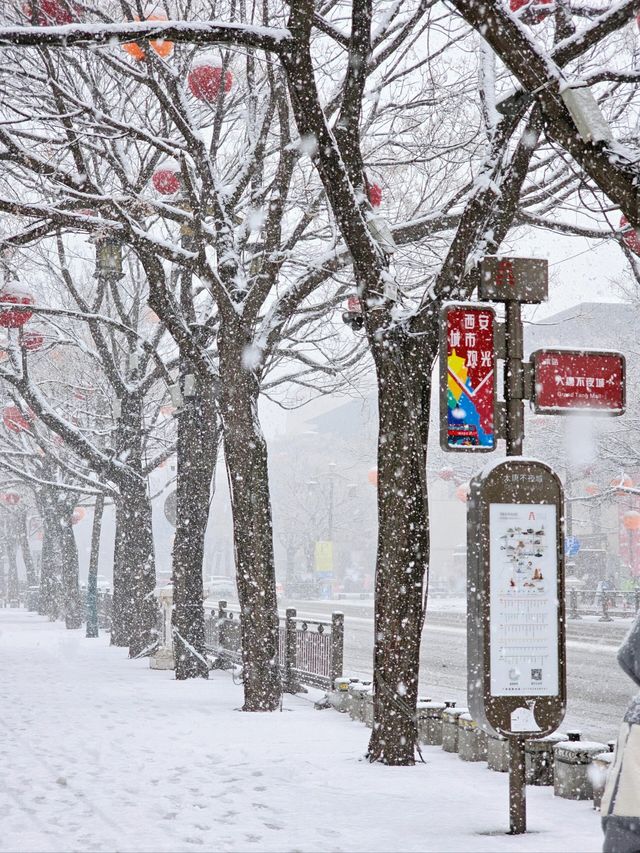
309 651
607 604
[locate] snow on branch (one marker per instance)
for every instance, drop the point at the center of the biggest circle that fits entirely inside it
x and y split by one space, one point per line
271 39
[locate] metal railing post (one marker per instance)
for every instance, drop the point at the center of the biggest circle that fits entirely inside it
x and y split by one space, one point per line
605 608
337 646
290 651
637 598
222 618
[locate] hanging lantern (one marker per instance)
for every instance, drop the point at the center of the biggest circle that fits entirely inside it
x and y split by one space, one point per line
14 318
108 257
375 195
462 492
167 410
16 420
162 47
592 489
622 482
446 473
533 11
10 498
631 520
52 13
166 178
372 477
630 236
205 79
77 515
32 341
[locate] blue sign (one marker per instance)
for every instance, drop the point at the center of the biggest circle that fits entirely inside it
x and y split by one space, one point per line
571 546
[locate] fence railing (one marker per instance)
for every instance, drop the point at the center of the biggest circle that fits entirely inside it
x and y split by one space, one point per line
607 604
309 651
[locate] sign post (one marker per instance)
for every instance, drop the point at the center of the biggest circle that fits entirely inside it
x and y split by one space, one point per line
566 380
515 609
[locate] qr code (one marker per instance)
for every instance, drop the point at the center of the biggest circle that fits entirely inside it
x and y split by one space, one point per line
536 675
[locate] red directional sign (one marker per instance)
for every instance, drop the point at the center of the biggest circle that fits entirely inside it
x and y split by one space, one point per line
566 380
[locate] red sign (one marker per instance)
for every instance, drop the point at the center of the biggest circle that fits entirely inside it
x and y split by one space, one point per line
353 305
566 380
467 378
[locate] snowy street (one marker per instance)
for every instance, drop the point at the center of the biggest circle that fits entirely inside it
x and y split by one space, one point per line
101 753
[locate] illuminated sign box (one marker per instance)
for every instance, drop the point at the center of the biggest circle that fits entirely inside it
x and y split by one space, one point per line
467 378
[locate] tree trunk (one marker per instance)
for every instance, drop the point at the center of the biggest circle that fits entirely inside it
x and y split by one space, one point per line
246 460
196 458
51 569
121 605
27 557
70 574
135 612
92 578
403 372
138 567
13 588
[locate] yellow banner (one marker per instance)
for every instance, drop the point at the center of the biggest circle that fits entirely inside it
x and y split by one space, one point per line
324 556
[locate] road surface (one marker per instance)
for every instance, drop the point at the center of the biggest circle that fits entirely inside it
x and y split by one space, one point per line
598 691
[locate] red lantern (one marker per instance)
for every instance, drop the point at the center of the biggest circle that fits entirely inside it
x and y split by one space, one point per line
630 236
375 195
372 476
14 318
166 179
32 341
16 420
52 13
77 515
162 47
622 482
10 498
631 520
592 489
462 492
533 10
205 79
446 473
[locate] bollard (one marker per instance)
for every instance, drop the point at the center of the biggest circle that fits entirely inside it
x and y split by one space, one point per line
368 708
358 697
339 696
598 773
571 762
450 728
351 704
497 753
429 720
538 758
472 741
573 604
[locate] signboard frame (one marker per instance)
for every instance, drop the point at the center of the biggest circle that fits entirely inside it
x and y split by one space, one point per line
514 279
444 377
573 410
514 481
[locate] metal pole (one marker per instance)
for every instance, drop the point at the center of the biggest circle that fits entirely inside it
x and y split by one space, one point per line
337 646
92 577
517 790
514 379
514 434
290 656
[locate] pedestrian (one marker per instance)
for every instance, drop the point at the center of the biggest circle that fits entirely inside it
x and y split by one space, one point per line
621 800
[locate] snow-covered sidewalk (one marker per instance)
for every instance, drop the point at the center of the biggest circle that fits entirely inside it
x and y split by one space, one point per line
100 753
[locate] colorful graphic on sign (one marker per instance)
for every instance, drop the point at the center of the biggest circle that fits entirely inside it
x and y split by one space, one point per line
468 375
565 380
523 599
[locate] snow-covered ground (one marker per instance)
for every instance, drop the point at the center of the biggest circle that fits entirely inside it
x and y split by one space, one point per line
100 753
